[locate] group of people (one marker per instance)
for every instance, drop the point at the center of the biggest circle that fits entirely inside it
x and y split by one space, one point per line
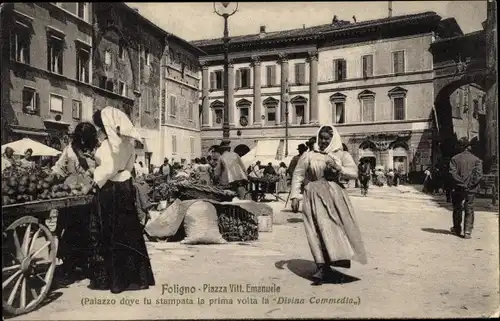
9 160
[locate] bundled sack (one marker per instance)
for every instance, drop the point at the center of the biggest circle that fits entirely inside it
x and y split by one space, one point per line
201 223
167 223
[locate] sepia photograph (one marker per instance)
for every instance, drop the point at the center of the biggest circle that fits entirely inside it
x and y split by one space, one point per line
249 160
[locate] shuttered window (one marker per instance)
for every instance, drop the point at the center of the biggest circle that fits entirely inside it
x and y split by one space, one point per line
399 108
367 66
398 62
339 113
216 80
237 79
173 105
174 144
300 73
31 101
459 102
339 69
190 111
76 110
271 75
191 146
163 106
368 108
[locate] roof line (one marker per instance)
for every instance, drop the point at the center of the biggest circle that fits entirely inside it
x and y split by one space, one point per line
161 30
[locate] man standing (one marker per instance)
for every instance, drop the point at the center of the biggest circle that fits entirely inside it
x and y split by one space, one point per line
230 171
466 171
293 163
165 169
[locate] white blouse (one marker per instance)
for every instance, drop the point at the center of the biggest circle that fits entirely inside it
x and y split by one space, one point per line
116 167
68 163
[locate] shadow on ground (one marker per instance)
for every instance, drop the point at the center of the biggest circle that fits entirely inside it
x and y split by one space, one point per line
437 231
306 269
295 220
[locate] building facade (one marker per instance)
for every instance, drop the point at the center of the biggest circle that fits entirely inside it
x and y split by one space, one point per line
181 123
372 80
46 67
468 109
63 61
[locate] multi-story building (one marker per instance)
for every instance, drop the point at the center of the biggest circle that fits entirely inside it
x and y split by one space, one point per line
63 61
372 80
181 113
46 67
129 59
467 104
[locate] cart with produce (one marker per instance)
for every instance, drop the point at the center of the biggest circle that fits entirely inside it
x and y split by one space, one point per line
29 246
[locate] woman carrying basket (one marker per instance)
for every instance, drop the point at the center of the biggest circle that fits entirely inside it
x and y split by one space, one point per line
120 260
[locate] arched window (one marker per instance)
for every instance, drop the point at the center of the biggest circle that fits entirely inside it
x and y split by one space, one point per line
398 98
367 101
271 105
244 106
338 108
217 113
299 104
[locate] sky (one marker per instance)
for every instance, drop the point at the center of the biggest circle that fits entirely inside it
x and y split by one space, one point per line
197 20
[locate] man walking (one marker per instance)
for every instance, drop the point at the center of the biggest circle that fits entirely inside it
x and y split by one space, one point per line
466 171
295 160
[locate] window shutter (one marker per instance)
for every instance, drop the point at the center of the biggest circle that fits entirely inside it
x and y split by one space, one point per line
249 79
344 69
335 70
273 75
238 78
368 108
268 75
401 61
213 80
37 104
302 73
297 74
395 62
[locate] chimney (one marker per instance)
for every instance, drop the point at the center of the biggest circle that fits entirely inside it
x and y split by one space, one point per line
335 20
354 18
303 26
262 30
390 9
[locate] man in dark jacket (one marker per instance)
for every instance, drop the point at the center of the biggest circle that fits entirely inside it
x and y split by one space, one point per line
466 171
295 160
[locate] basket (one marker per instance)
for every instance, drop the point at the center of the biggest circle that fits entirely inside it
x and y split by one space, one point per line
237 224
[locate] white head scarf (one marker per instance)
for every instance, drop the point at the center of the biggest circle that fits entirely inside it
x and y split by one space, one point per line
335 144
118 127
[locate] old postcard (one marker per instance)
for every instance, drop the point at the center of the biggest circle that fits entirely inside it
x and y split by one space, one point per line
249 160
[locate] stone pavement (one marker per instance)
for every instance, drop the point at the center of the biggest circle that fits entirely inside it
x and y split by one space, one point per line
415 269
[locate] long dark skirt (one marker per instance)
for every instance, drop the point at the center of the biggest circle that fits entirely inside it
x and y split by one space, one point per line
72 232
119 259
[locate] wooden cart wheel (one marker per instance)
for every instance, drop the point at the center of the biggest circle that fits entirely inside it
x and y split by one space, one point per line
29 261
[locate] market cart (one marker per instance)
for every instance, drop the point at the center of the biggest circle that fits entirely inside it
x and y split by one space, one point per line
29 251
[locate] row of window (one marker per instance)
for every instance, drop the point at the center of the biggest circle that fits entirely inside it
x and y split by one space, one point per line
338 111
191 145
80 9
31 103
182 103
20 51
243 79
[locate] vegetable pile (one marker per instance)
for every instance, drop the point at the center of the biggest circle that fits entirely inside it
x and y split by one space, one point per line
25 185
237 224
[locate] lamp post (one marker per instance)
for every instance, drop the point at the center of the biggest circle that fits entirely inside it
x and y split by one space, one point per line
286 98
225 10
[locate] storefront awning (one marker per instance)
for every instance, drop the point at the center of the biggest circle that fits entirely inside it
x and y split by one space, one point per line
266 149
28 132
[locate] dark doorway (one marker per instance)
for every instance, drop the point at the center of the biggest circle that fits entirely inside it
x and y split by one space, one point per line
241 149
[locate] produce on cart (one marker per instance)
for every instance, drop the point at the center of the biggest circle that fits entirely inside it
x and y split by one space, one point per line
29 197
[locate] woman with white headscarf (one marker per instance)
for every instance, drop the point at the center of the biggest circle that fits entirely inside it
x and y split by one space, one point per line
120 260
332 232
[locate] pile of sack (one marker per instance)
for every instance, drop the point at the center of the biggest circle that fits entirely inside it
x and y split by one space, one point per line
206 222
